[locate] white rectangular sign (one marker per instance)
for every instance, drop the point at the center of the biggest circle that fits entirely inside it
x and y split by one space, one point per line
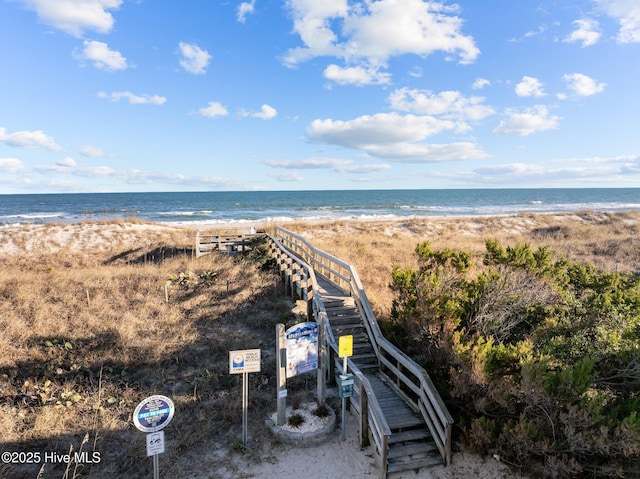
155 443
244 361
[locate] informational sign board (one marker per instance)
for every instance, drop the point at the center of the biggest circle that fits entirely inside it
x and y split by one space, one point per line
155 443
345 346
302 348
244 361
153 413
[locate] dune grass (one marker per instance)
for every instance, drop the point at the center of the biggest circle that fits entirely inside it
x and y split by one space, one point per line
87 336
608 241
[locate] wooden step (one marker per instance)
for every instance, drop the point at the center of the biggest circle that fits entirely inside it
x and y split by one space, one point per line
362 348
364 359
345 321
409 435
399 466
339 320
412 449
348 330
337 308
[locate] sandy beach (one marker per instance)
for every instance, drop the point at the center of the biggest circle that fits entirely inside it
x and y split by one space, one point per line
335 458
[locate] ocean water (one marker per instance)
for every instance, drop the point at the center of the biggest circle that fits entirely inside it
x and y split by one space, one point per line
213 208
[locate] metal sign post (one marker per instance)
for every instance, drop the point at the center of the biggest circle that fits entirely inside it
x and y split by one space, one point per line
244 362
345 380
155 446
152 415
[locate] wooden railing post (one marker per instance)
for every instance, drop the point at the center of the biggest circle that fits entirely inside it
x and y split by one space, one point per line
364 416
322 358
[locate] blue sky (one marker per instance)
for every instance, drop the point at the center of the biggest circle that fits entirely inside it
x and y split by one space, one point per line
207 95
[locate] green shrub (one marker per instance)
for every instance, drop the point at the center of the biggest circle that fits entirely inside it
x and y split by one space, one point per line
541 356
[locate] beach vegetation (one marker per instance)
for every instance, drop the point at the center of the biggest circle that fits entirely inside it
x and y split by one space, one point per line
539 361
86 336
540 355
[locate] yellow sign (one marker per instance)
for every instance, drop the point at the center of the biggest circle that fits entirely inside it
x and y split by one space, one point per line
345 346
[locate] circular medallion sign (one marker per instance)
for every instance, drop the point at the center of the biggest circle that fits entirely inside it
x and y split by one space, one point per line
153 413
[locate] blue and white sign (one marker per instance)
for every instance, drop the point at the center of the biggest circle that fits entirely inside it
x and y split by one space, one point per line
302 348
153 413
244 361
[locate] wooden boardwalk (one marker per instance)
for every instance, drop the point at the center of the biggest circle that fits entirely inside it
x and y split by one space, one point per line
399 411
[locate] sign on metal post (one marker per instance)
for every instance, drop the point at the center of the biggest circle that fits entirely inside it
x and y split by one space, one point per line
345 351
152 415
244 362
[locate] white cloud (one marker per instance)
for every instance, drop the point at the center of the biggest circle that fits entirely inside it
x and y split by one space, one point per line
65 166
132 98
386 28
94 152
312 21
194 59
99 171
449 104
366 34
533 33
582 85
29 139
627 13
416 72
358 75
290 176
394 137
213 109
428 153
529 86
338 165
531 121
75 16
382 128
11 165
267 112
67 162
101 56
587 32
511 169
244 9
615 171
480 83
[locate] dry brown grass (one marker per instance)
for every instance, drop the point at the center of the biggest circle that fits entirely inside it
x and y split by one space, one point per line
88 335
606 240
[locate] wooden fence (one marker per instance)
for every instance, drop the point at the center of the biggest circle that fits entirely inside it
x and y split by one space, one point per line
226 243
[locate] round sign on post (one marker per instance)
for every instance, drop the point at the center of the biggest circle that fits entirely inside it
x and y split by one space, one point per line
153 413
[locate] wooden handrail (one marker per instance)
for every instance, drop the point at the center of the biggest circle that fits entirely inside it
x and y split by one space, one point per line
424 397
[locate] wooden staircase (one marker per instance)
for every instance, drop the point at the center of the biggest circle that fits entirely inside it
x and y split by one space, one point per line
344 319
411 446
